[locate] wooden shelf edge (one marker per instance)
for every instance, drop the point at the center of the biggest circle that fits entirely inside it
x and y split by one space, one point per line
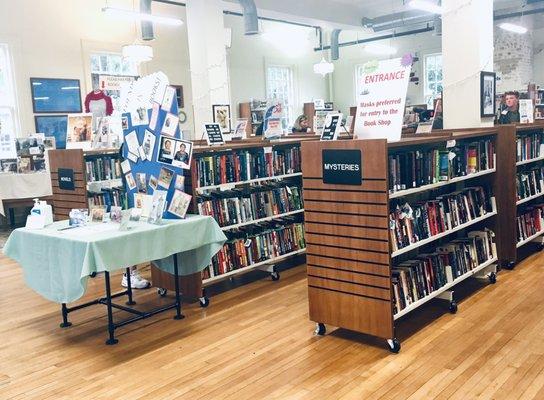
257 180
256 221
529 239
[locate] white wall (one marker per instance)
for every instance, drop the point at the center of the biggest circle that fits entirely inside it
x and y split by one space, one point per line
351 56
280 44
53 39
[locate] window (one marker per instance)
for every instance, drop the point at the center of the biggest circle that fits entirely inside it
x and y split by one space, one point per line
279 86
433 78
111 64
8 105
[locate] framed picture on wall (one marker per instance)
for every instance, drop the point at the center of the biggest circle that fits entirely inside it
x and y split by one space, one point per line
53 126
221 116
487 93
179 95
51 95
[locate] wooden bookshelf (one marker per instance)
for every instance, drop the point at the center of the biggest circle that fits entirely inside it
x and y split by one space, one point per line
349 254
74 159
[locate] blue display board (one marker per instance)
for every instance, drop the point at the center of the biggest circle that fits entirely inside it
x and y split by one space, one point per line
51 95
155 139
53 125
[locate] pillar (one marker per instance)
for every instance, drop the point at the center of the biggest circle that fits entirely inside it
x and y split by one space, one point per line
208 59
467 49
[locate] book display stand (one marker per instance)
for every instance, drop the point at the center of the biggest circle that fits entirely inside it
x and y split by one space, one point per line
420 217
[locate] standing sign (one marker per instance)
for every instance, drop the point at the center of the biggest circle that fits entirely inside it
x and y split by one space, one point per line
380 104
66 179
213 134
526 112
342 167
331 127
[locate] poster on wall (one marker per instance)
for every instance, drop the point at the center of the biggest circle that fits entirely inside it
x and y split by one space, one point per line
526 111
380 103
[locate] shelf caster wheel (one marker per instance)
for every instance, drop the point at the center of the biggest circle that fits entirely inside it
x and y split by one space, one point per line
492 278
394 345
92 274
162 292
275 276
320 329
453 307
510 265
204 302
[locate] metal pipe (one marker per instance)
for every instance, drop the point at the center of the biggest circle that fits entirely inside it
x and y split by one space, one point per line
335 51
518 14
147 26
251 20
383 37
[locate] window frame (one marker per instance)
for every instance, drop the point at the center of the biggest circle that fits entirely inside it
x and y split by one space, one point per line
428 95
13 105
290 108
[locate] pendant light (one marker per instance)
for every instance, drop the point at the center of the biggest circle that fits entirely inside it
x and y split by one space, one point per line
323 67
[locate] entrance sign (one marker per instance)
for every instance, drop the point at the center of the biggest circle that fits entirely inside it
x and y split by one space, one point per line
380 104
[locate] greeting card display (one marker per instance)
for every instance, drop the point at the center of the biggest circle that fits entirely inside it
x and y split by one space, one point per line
156 156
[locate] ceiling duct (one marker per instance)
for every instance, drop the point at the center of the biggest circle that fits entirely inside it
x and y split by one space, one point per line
251 20
437 26
335 50
147 26
397 20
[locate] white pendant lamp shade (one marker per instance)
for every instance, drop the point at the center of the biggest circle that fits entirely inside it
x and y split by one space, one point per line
138 53
323 67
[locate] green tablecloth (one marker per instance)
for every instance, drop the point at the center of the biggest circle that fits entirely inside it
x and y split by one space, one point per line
57 263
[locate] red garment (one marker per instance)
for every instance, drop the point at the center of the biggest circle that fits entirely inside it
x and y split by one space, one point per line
98 97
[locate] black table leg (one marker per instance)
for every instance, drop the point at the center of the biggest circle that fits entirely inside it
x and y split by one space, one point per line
11 217
65 323
178 315
130 302
111 327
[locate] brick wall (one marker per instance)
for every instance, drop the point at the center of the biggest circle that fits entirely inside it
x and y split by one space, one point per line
513 60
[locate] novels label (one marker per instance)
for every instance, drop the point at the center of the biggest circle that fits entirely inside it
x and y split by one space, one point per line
66 179
342 167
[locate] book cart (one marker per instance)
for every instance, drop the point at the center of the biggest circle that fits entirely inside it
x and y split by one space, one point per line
526 221
354 265
221 178
97 179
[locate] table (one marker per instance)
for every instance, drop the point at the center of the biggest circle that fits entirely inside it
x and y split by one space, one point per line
23 186
57 261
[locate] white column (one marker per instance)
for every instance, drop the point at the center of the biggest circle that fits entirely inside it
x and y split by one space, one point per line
208 62
467 49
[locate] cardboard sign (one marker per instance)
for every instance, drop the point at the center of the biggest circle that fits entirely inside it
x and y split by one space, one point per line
342 167
331 129
380 105
66 179
214 135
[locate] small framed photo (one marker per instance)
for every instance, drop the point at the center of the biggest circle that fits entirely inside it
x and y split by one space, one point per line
98 213
487 94
168 99
221 116
131 183
170 125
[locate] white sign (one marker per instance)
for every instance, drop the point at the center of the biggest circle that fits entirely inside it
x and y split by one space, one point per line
239 130
144 92
274 128
526 112
380 105
112 82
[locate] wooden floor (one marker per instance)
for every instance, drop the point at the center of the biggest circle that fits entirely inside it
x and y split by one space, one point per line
256 342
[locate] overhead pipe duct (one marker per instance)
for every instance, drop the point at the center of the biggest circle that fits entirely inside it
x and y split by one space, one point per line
251 20
147 26
397 20
335 51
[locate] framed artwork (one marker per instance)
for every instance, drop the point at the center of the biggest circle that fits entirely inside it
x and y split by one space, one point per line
221 116
179 95
53 125
487 94
50 95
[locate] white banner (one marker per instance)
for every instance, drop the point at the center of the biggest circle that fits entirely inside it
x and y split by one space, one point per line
380 105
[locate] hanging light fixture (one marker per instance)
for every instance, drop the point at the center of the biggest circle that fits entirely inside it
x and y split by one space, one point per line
137 53
323 67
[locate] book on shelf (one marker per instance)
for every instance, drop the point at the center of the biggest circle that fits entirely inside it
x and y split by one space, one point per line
530 221
529 182
415 279
243 165
108 197
240 206
244 251
529 146
411 223
103 168
417 168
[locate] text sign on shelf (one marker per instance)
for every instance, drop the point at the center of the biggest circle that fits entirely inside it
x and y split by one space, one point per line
342 167
213 134
66 179
380 102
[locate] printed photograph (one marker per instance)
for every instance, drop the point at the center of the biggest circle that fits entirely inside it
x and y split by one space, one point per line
49 142
139 116
141 182
148 145
180 203
158 206
115 214
221 116
183 153
79 130
124 123
168 99
166 150
98 213
165 177
153 182
170 125
179 183
131 183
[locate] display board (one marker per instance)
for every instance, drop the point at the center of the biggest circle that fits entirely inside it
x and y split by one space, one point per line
155 155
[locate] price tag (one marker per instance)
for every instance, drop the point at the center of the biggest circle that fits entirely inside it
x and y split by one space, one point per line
451 155
450 144
268 150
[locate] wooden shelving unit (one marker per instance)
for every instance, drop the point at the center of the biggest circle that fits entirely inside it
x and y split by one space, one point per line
74 159
349 254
